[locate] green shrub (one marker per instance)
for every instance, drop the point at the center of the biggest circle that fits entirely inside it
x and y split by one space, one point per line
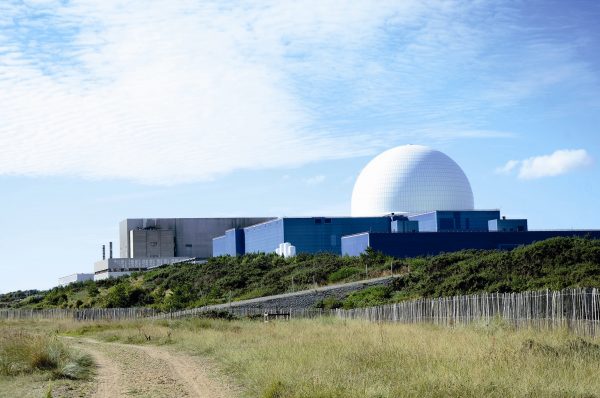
329 303
343 273
371 296
556 263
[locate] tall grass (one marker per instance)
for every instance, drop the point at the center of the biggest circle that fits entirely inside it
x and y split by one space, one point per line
23 352
332 358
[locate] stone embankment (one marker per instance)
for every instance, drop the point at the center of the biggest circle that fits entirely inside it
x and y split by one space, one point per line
296 301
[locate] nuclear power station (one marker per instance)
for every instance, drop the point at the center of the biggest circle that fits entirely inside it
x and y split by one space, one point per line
408 201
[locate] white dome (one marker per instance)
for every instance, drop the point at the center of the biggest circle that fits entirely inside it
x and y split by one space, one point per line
410 179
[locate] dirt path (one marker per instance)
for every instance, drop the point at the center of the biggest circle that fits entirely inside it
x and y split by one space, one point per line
148 371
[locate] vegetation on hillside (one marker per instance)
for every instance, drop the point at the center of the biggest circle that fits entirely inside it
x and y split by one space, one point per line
555 264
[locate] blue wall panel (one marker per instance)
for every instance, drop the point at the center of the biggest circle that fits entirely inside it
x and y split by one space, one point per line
453 221
354 245
219 246
231 244
508 225
426 243
323 234
264 237
310 234
427 222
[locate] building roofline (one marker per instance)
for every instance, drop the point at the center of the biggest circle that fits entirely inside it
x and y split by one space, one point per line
437 211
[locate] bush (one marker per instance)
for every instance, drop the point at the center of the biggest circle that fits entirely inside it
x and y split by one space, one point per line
329 303
343 273
556 263
371 296
117 297
22 352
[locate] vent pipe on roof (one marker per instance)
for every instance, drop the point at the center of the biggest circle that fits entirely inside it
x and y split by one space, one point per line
103 252
110 249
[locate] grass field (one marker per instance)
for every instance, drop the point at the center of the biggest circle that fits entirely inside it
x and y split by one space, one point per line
328 358
36 363
332 358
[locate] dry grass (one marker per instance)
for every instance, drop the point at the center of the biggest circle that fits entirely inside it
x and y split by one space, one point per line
23 352
332 358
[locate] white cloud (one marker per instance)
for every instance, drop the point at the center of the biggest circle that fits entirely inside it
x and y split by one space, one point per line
168 92
508 167
559 162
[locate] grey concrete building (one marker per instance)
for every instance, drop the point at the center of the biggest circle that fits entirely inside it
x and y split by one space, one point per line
151 242
66 280
115 267
175 237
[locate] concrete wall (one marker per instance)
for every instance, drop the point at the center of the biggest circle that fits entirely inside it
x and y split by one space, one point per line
152 243
115 267
193 236
134 264
65 280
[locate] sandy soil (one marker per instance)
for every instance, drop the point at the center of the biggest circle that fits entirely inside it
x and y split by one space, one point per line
148 371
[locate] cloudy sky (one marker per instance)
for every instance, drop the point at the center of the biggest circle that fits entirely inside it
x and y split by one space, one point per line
190 108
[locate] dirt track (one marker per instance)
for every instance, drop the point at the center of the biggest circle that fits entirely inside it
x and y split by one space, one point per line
148 371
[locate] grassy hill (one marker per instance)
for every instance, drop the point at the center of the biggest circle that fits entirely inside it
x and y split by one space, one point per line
555 263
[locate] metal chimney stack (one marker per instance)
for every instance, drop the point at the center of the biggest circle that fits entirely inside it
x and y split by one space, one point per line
110 249
103 252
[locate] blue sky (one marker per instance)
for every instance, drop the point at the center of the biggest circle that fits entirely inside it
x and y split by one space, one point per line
232 108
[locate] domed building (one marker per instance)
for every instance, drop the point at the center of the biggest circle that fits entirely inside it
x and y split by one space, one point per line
410 179
429 194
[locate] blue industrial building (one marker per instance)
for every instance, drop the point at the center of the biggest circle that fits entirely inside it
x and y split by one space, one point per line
428 205
504 225
307 234
432 243
408 201
396 235
231 243
455 221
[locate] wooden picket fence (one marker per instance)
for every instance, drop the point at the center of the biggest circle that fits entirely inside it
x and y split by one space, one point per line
246 312
86 314
575 309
